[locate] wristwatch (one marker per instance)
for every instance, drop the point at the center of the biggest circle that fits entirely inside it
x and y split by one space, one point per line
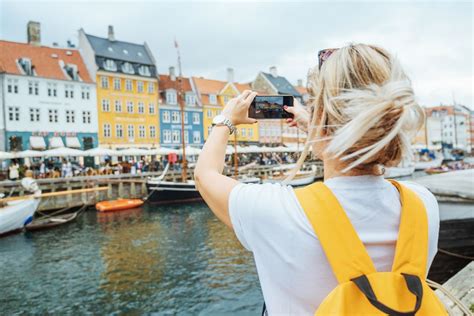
221 120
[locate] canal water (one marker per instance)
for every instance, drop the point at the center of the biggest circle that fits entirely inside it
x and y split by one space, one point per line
159 259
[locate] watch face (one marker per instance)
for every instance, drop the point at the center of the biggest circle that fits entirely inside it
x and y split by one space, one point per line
218 119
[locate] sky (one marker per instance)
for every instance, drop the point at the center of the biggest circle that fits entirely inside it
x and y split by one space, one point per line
433 40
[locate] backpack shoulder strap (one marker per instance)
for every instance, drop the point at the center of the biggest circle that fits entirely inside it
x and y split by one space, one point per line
343 248
411 252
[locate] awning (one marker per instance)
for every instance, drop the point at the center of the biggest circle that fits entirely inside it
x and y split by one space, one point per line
56 142
73 142
37 142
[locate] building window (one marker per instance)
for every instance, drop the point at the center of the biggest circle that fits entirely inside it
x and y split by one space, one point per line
171 97
71 71
118 106
107 132
13 113
243 133
85 93
12 86
176 136
141 131
110 65
144 71
141 107
165 116
175 117
128 85
166 136
226 99
218 112
131 131
33 88
151 108
104 82
185 114
117 84
152 131
119 131
86 117
212 99
209 130
151 87
196 118
190 100
128 68
250 132
105 105
52 90
69 91
34 115
130 106
70 116
186 137
140 86
196 137
209 113
53 116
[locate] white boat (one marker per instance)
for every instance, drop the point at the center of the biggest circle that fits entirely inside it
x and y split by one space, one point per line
301 178
16 214
404 169
423 165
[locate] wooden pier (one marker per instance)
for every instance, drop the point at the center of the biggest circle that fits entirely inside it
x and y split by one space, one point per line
460 286
119 186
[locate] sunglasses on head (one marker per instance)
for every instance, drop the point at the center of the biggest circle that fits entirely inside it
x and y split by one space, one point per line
324 54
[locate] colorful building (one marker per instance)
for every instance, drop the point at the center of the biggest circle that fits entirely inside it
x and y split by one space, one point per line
212 97
170 112
48 98
275 131
127 90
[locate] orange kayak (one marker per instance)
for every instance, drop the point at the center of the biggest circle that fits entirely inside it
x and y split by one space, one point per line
118 205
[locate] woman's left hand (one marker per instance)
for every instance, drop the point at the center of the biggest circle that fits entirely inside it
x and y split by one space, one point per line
237 109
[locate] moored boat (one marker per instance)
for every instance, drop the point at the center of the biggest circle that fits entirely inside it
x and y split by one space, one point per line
118 205
160 191
15 215
50 221
404 169
422 165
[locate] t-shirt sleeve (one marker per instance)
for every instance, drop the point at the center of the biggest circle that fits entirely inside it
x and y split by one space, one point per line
432 210
257 211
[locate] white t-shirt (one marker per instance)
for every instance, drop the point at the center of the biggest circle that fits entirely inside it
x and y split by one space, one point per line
293 270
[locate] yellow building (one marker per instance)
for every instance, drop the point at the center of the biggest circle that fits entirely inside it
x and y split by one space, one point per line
213 95
127 91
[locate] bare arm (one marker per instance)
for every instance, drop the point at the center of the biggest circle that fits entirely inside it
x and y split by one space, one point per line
215 187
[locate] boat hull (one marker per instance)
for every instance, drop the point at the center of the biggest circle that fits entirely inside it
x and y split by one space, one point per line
50 222
118 205
15 215
164 192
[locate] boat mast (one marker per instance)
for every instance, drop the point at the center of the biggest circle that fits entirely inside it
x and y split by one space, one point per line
455 124
184 172
236 157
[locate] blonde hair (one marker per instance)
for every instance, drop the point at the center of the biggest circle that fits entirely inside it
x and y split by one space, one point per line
364 107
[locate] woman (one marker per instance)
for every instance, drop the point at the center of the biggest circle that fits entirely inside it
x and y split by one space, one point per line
363 113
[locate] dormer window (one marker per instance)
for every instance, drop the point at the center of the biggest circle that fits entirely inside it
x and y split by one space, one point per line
144 71
171 97
25 64
190 100
128 68
72 72
110 65
212 99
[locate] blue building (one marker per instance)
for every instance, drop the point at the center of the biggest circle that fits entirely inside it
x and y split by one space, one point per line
170 114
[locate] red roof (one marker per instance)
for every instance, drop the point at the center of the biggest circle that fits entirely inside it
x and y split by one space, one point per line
42 59
301 90
165 82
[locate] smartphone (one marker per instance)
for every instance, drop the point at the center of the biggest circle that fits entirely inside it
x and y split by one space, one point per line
270 107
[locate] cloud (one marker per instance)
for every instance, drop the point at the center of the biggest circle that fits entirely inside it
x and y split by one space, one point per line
433 40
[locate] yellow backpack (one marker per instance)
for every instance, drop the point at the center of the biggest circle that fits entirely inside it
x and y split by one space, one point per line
361 289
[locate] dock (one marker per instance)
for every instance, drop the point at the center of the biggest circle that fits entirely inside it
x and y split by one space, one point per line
461 286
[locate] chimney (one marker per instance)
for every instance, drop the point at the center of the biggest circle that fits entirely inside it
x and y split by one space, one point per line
55 44
273 71
300 82
111 35
34 33
172 74
230 75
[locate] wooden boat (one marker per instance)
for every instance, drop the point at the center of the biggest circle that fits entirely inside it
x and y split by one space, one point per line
50 222
437 170
301 178
171 192
14 215
118 205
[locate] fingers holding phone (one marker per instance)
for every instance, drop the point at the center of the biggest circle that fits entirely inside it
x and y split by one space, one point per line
301 116
237 109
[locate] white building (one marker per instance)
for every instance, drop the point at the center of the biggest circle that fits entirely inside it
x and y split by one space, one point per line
48 99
